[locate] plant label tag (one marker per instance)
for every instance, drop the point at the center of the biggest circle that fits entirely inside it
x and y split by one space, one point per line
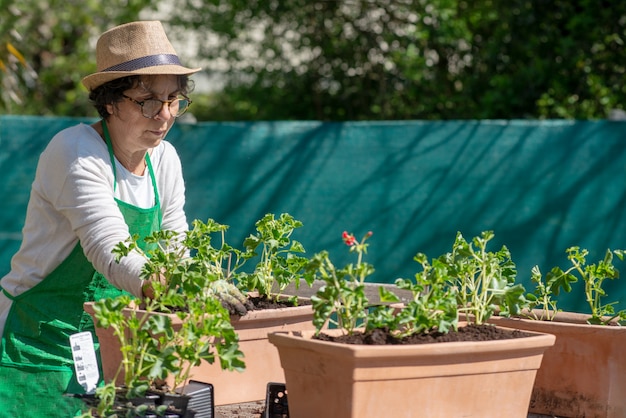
85 361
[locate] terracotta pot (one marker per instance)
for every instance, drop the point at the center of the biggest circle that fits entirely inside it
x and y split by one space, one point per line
460 379
584 373
261 357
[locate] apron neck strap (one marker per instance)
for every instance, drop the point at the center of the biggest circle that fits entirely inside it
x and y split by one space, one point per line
107 139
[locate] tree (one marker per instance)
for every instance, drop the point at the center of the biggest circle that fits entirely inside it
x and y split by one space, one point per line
411 59
14 69
328 60
340 59
56 42
547 59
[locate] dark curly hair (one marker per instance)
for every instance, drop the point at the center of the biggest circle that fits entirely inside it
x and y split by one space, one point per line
112 91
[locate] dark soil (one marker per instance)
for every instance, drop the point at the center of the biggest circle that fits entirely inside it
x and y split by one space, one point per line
469 332
263 302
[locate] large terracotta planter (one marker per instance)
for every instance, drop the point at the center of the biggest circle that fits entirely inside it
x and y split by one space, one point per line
460 379
584 373
261 357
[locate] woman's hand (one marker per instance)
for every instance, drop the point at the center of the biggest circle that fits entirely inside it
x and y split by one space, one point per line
230 297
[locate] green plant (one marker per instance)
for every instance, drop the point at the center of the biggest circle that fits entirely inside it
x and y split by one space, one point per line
280 264
176 256
468 280
592 276
433 305
193 268
141 355
153 347
542 299
485 280
342 300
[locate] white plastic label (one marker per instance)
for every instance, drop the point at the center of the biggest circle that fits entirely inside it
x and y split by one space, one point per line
85 361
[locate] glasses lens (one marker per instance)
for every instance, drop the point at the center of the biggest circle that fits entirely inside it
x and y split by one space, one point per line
179 106
151 107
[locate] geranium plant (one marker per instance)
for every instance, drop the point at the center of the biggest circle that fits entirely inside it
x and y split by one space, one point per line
433 305
152 346
541 304
281 262
343 302
199 275
468 280
485 280
593 277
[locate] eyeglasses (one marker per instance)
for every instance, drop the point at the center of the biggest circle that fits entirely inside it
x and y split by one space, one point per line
152 107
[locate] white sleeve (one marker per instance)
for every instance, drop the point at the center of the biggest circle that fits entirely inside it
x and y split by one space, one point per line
72 199
85 199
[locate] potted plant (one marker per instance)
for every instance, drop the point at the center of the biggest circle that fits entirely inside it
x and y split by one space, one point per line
183 325
198 255
279 264
582 375
419 361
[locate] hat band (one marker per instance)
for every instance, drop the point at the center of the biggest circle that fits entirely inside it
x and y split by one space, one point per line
143 62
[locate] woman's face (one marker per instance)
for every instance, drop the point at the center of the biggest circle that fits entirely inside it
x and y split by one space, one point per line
129 128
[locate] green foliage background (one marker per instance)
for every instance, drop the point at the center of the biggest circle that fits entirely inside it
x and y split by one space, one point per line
57 40
339 60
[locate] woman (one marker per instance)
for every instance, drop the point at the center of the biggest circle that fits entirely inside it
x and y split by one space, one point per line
95 186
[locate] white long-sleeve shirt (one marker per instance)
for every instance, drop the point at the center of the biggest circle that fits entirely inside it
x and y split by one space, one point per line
72 200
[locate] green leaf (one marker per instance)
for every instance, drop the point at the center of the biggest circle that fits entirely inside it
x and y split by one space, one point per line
387 296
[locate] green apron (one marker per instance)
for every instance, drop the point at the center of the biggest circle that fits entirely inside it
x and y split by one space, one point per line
36 366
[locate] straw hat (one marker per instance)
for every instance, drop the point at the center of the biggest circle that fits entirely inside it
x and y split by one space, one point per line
133 49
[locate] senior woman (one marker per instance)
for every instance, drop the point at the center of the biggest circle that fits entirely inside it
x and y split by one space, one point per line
95 186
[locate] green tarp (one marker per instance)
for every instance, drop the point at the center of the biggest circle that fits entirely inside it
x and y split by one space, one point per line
541 186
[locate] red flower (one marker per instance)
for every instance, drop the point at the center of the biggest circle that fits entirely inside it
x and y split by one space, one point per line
348 239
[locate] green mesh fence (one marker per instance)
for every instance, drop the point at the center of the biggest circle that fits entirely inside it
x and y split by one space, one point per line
541 186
